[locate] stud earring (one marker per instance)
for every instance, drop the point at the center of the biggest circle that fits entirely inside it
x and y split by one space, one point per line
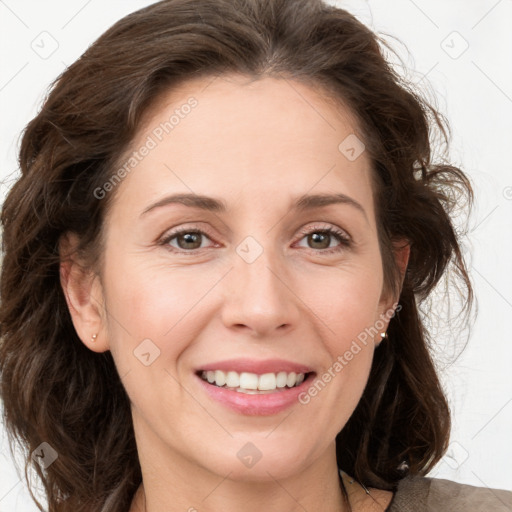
384 335
93 337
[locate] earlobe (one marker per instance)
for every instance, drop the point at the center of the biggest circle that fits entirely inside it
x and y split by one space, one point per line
84 297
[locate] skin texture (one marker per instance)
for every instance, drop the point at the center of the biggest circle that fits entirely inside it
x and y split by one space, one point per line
257 146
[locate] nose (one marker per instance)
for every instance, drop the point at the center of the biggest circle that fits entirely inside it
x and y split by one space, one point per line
259 297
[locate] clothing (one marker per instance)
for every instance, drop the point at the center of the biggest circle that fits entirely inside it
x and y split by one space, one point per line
423 494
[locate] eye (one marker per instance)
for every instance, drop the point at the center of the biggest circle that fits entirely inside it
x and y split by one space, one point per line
187 239
321 237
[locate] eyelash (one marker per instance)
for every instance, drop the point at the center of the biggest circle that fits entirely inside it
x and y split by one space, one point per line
341 236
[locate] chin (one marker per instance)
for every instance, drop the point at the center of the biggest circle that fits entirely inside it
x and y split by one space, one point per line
260 462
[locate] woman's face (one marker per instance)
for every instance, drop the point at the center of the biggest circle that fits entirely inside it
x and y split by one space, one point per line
253 285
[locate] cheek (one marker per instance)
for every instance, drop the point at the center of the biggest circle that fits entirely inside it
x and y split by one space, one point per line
347 307
156 302
159 311
155 314
345 300
350 334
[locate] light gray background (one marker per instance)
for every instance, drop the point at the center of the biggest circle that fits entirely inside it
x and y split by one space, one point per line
473 88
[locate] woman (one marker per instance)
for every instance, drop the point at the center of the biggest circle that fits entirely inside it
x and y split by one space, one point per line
227 216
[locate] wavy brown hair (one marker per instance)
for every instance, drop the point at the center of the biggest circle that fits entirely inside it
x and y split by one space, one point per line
57 391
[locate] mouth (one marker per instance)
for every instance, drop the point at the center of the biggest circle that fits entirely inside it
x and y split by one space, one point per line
255 387
253 383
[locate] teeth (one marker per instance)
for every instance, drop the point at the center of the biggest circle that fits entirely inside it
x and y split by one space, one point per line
251 382
267 382
232 380
220 378
281 379
248 381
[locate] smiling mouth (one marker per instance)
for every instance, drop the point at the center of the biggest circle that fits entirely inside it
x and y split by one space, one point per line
252 383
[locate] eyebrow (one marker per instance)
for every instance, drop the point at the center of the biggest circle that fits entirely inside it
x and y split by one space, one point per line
305 202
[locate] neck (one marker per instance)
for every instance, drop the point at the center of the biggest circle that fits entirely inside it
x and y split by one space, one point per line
317 487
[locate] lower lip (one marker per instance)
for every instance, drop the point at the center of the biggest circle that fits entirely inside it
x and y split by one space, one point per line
258 404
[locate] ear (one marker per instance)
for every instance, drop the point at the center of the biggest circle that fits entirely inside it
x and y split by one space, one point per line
401 251
84 295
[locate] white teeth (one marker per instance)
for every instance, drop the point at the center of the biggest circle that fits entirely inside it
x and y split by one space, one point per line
267 382
232 380
220 378
248 380
281 379
291 379
251 382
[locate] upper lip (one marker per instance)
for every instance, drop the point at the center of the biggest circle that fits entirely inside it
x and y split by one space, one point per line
257 366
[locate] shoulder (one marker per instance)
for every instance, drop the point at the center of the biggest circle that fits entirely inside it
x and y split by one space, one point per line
423 494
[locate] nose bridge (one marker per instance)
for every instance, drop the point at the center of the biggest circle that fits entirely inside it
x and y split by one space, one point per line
259 297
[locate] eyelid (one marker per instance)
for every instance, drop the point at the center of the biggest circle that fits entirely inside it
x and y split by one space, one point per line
168 235
345 240
323 227
343 236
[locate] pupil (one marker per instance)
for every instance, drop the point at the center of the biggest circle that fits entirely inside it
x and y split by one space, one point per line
318 238
189 238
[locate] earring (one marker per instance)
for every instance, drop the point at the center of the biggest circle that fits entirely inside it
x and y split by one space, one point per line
384 335
93 337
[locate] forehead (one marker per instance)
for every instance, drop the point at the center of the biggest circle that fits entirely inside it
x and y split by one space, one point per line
265 105
228 134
